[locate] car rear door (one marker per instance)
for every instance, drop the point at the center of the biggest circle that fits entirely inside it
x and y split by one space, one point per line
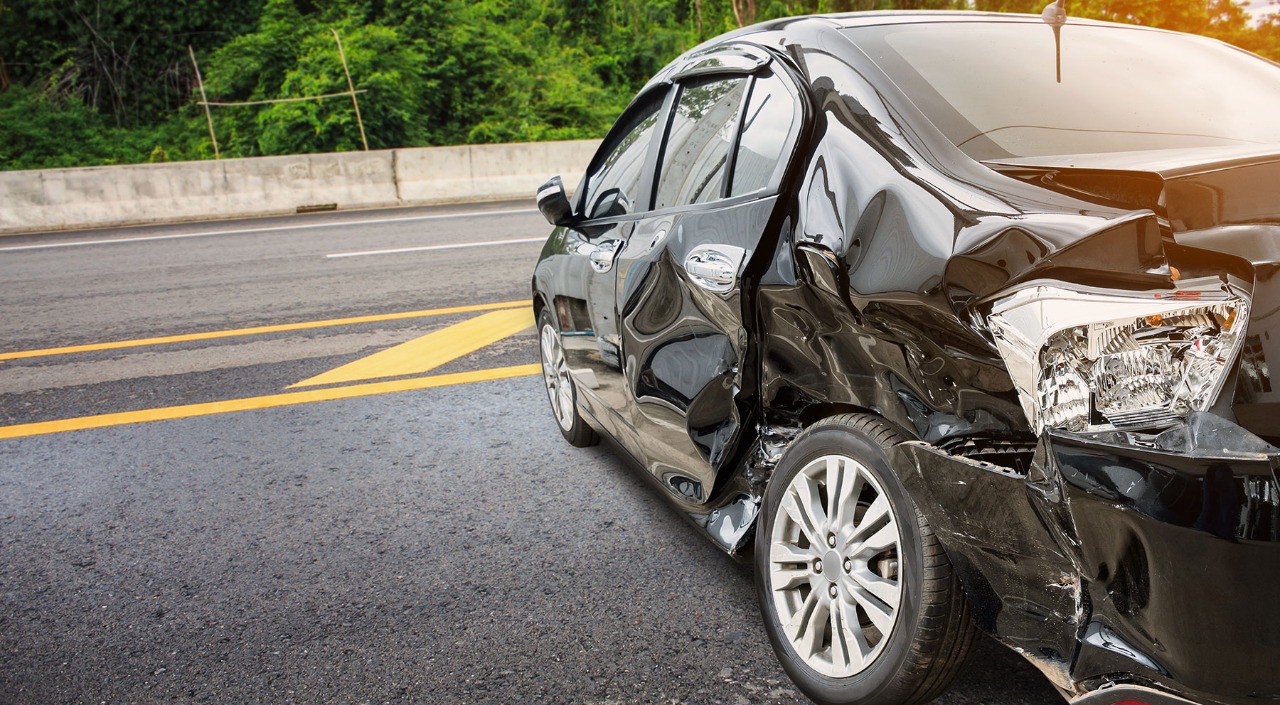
686 353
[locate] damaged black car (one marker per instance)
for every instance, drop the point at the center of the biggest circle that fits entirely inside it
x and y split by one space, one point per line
951 323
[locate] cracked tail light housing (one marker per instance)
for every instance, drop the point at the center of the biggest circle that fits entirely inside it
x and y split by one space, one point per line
1091 360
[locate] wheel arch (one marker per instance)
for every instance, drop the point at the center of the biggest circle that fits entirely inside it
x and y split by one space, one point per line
814 414
539 301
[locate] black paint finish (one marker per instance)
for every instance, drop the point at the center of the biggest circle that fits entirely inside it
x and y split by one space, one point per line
1147 560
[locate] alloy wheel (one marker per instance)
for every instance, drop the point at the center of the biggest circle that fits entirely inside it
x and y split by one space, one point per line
555 373
834 569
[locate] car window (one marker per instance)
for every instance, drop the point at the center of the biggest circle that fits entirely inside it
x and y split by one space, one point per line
614 188
768 125
696 157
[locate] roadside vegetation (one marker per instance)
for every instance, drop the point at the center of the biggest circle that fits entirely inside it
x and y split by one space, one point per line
94 82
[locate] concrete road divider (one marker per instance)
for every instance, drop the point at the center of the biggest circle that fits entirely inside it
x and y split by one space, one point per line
66 199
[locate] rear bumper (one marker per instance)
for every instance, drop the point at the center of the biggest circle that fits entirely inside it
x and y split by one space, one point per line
1178 550
1117 560
1129 695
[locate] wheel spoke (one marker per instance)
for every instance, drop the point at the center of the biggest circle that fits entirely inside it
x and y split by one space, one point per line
566 401
548 345
783 579
872 519
883 539
852 638
843 483
793 618
808 640
782 552
883 589
840 657
879 612
805 508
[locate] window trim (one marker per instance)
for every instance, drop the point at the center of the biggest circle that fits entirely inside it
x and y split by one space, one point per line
660 157
670 90
735 59
801 111
739 127
644 199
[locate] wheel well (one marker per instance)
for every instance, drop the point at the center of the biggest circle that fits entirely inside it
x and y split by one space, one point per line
814 413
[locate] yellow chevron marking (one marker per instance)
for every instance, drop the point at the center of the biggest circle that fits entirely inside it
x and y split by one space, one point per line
211 335
432 350
266 402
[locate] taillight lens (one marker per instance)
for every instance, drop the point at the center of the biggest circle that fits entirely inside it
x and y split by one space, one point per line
1088 359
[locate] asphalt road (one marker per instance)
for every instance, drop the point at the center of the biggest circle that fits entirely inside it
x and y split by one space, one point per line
424 536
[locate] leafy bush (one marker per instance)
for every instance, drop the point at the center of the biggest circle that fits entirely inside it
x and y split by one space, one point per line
110 81
37 134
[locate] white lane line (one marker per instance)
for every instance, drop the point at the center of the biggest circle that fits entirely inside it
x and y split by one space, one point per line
309 226
428 248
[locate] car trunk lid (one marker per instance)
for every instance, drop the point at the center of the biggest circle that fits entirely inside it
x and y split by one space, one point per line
1194 189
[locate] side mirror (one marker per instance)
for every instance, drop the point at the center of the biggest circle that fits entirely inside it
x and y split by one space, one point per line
611 203
553 202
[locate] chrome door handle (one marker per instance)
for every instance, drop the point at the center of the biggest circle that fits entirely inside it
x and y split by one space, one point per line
714 267
718 273
602 256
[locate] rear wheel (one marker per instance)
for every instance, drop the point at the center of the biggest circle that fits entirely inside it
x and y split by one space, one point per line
858 598
560 388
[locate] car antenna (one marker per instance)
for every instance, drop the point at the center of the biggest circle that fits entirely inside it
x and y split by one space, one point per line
1055 15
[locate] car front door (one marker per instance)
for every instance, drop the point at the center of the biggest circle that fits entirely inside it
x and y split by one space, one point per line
686 354
616 191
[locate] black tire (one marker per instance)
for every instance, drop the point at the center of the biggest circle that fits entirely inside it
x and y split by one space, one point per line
930 632
558 380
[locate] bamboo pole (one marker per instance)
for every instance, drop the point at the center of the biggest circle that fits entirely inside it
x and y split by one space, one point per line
273 101
351 87
205 100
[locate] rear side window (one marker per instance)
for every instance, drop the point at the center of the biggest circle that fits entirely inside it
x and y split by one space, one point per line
696 161
615 187
768 125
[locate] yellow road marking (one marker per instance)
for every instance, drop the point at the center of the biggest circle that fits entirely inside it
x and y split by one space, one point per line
432 350
259 330
266 402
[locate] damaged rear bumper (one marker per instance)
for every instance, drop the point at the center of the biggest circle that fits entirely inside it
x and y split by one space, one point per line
1122 559
1129 695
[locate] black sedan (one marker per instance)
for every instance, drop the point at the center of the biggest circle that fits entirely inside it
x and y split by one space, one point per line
951 323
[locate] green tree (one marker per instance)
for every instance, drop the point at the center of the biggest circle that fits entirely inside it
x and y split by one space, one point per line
110 81
125 58
380 63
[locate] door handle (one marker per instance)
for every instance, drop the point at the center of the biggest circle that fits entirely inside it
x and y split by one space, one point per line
714 267
603 255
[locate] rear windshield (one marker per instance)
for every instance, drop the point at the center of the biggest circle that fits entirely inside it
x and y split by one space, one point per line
992 89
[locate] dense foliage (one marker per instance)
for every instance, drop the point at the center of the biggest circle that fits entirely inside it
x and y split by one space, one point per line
86 82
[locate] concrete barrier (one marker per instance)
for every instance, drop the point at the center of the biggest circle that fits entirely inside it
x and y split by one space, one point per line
65 199
489 171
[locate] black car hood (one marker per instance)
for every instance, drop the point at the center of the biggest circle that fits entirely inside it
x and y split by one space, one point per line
1195 189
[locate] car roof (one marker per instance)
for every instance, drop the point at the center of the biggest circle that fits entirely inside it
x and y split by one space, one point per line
873 18
877 18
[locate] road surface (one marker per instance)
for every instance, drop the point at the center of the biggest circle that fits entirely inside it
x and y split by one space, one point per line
227 478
